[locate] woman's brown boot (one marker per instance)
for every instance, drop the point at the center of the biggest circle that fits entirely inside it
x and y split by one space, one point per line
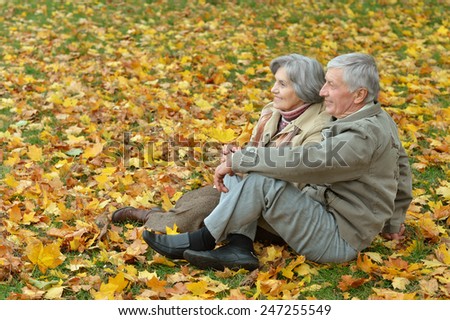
132 214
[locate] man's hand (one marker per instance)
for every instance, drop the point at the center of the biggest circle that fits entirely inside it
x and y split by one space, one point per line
227 150
221 171
395 236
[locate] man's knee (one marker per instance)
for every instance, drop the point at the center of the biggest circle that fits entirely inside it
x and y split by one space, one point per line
270 187
258 178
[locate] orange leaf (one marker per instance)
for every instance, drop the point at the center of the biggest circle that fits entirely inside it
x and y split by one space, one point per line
156 285
366 264
349 282
397 263
15 214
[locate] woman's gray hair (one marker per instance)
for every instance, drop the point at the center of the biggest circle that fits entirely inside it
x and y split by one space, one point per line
306 75
360 71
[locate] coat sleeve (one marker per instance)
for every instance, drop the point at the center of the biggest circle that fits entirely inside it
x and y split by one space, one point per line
404 195
340 158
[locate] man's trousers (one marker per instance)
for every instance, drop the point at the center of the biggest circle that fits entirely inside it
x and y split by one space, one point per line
305 224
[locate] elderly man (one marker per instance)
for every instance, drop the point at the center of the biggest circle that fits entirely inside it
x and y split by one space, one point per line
358 184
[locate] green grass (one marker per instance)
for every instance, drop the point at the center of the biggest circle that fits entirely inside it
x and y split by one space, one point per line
14 285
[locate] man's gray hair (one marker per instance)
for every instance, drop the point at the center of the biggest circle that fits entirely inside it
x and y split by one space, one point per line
306 75
360 71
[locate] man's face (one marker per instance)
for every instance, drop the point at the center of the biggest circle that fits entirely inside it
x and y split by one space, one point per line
339 101
285 98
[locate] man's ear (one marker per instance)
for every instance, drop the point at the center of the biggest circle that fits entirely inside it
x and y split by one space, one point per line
360 95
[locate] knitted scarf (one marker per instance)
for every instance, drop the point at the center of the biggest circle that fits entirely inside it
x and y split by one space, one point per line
285 119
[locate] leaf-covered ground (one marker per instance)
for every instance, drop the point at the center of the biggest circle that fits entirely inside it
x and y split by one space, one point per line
105 104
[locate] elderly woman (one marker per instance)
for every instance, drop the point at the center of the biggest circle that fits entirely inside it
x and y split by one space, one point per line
295 116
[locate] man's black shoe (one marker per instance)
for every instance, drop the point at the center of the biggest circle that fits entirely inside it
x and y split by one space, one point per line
171 246
228 256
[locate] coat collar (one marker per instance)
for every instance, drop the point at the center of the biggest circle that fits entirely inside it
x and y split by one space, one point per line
298 122
369 110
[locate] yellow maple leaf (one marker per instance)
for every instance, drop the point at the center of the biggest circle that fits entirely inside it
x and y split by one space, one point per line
54 293
70 102
443 254
145 275
34 153
11 181
442 31
444 191
102 180
198 288
203 105
55 98
45 257
173 230
120 281
85 119
272 253
288 270
245 135
12 160
166 203
93 151
365 263
375 256
222 135
74 140
305 269
106 292
29 218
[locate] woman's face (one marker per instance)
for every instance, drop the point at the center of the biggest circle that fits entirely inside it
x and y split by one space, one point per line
285 98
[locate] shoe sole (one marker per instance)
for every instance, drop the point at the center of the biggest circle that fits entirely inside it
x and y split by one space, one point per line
204 263
150 242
